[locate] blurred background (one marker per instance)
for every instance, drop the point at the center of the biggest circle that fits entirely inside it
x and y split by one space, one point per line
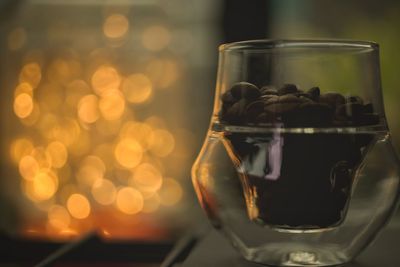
105 104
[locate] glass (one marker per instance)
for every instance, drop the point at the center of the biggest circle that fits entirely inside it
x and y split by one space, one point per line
298 167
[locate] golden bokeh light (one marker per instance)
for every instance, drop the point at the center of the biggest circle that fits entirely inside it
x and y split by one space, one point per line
63 70
155 122
108 128
112 105
23 88
162 72
20 148
137 88
115 26
58 153
44 185
104 191
50 97
74 91
66 130
78 206
171 192
105 79
91 169
23 105
16 38
129 200
141 132
156 38
28 167
147 178
33 117
162 143
82 145
128 153
31 73
42 157
58 217
88 109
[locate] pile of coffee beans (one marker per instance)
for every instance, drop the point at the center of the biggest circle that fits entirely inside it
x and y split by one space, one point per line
246 104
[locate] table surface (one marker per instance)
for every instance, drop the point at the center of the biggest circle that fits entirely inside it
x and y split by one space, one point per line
213 250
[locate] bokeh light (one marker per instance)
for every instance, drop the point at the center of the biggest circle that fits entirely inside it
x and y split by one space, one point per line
78 206
162 143
156 38
162 72
23 88
137 88
129 200
20 148
104 191
88 109
59 217
112 105
91 169
23 105
141 132
115 26
28 167
58 153
43 186
104 79
147 178
31 73
171 192
128 153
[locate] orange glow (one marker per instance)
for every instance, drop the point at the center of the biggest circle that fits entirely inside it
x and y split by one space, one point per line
33 117
66 130
58 217
20 148
16 38
108 127
42 157
58 153
155 122
23 88
31 73
112 105
156 38
43 186
82 145
87 109
171 192
104 79
104 191
115 26
129 200
92 168
137 88
63 70
162 72
23 105
78 206
141 132
128 152
147 178
28 167
162 143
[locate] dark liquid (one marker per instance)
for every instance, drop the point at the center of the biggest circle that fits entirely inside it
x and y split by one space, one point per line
297 180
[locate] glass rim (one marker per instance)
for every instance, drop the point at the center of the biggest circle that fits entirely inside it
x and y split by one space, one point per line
268 44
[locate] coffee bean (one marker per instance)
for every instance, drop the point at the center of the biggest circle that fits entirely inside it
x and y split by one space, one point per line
314 93
245 90
235 113
265 117
268 90
315 114
368 108
253 110
287 89
332 99
350 110
355 99
227 98
282 104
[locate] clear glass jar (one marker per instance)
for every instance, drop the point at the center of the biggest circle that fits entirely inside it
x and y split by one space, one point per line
298 167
